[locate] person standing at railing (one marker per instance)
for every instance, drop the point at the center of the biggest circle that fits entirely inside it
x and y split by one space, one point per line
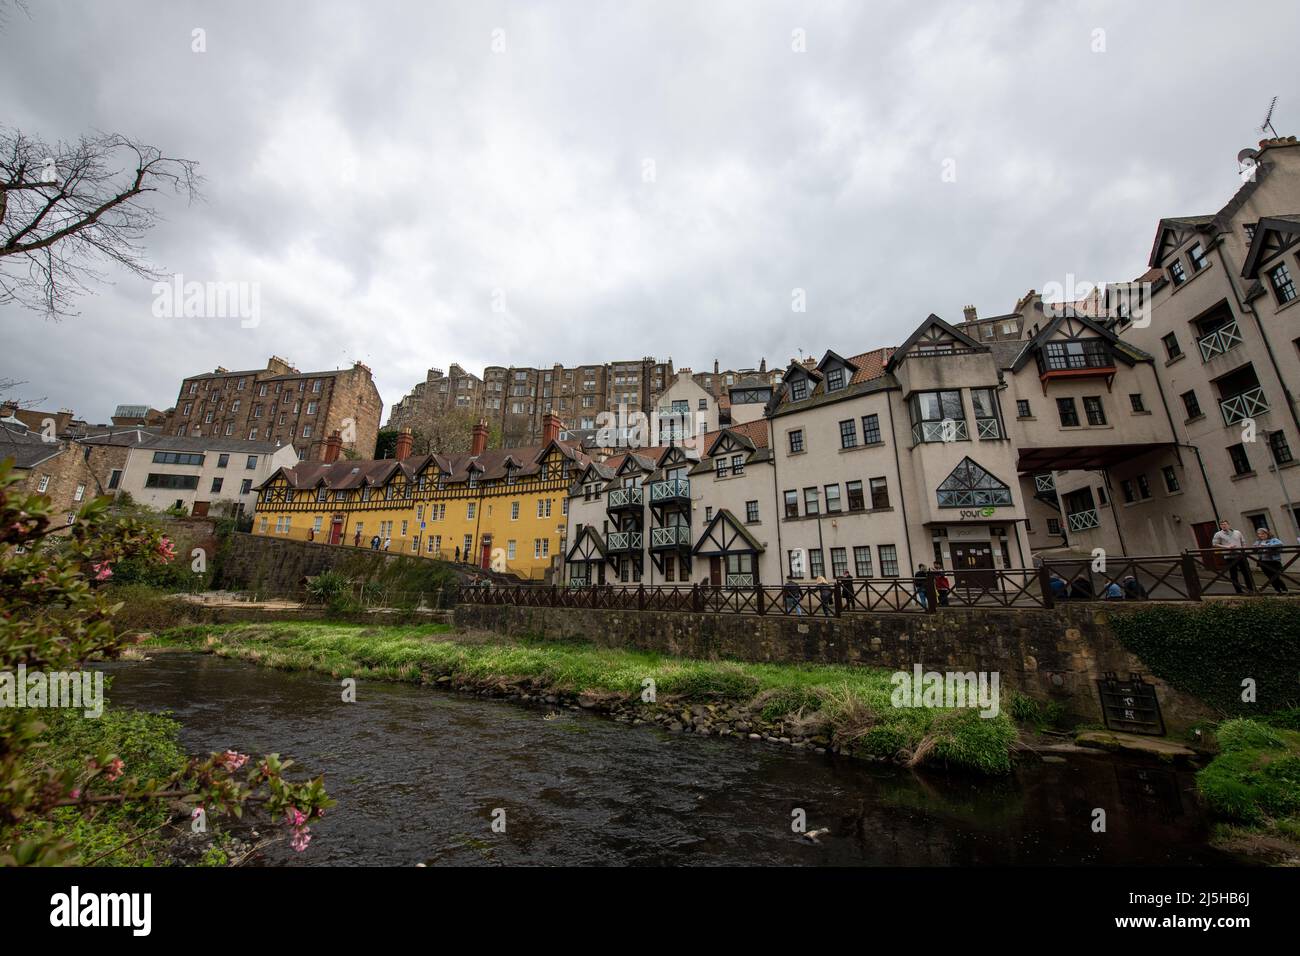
941 584
846 590
826 595
1228 539
1268 551
918 583
792 594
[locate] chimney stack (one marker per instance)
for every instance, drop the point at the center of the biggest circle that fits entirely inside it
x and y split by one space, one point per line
404 442
551 428
479 443
970 313
333 445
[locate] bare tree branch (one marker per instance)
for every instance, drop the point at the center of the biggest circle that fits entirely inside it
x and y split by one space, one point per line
66 209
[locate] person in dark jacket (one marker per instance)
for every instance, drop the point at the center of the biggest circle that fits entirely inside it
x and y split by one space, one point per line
792 595
918 582
846 591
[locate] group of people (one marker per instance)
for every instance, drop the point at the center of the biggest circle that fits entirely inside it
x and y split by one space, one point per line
1266 549
821 592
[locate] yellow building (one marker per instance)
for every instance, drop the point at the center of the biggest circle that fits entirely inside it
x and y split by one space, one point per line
503 508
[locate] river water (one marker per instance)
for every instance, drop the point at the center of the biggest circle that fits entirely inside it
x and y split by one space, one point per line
418 773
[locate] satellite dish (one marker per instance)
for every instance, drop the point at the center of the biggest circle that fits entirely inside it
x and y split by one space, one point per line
1247 153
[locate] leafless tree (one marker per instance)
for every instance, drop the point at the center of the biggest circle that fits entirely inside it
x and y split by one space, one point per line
67 209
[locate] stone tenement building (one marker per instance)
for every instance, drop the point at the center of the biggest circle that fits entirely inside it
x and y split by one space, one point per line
519 398
280 404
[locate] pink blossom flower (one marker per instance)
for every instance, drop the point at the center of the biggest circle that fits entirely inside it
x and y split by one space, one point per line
114 769
76 793
300 839
294 817
102 571
232 760
165 549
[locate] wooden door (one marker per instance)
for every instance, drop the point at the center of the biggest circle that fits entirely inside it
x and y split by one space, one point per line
1204 532
715 572
336 529
973 565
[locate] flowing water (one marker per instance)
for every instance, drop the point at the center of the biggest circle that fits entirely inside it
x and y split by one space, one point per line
418 773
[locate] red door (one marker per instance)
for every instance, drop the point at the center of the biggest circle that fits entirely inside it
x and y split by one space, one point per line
485 561
336 529
1204 531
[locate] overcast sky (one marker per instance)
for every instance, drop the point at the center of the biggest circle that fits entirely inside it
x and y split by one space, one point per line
415 184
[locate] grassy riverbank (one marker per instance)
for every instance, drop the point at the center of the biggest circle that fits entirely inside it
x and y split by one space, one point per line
1254 783
832 707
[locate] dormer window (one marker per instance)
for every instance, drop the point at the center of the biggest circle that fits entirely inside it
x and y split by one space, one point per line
799 389
1176 272
835 379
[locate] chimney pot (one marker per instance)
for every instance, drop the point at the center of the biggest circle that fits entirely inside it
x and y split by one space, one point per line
970 313
551 428
479 440
405 440
333 445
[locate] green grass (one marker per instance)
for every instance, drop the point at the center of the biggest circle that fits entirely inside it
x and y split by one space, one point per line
1256 777
851 703
147 744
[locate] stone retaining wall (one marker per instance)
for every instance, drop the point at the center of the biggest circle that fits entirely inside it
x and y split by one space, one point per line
1049 655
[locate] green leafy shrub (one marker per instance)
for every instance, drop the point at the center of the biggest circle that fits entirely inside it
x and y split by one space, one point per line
1257 776
1208 650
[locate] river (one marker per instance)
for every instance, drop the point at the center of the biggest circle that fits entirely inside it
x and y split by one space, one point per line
418 773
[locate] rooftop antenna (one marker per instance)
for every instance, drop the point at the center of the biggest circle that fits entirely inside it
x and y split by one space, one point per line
1268 119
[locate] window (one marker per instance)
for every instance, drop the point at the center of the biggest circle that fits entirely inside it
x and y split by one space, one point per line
1191 404
848 434
835 379
832 499
879 493
306 431
1283 284
1277 444
514 511
246 486
871 429
1092 408
853 491
469 545
1069 414
176 482
708 513
889 560
1126 489
311 408
316 525
796 441
862 561
1053 525
223 460
1198 257
811 504
932 411
252 462
986 413
1176 272
721 467
1171 478
114 478
1074 354
737 465
839 562
216 485
816 563
1135 400
1144 487
469 511
970 486
799 389
1022 408
1172 348
511 550
1240 460
795 562
81 491
792 504
176 458
751 512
